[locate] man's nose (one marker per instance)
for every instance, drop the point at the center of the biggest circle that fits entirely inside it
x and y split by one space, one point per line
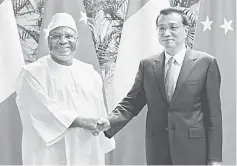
63 40
167 32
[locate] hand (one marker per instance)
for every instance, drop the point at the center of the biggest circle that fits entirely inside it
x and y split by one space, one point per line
89 124
214 163
103 124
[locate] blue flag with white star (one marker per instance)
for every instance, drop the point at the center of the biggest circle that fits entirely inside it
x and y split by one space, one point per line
216 35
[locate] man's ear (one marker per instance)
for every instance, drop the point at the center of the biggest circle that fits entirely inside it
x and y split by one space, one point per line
49 43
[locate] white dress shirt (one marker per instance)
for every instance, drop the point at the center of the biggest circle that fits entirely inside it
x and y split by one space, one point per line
179 57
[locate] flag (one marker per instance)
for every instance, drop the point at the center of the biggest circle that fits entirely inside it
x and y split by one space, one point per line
85 49
215 34
139 39
11 61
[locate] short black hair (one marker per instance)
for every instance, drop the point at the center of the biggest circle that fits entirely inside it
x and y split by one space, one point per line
170 10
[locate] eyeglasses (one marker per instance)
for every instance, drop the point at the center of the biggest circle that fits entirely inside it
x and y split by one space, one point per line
60 37
172 28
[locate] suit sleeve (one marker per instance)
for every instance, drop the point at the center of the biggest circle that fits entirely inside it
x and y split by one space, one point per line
214 128
130 106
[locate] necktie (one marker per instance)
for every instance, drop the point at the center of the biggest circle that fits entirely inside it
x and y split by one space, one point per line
169 79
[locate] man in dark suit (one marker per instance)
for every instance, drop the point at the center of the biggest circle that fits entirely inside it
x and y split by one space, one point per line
181 88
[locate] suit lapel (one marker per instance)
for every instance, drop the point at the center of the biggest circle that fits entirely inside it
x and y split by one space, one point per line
186 68
158 68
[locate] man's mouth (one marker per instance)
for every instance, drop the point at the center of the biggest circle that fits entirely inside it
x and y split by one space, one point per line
64 48
167 39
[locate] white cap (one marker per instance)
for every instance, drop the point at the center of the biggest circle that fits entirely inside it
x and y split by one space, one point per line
62 19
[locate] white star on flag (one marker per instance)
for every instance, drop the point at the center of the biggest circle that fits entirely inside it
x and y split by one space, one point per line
206 24
83 17
227 25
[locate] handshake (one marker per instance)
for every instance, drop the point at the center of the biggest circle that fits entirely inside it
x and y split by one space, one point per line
95 126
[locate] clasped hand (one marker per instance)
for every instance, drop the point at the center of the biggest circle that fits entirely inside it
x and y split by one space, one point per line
98 126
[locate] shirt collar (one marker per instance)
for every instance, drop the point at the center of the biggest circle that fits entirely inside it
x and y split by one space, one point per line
179 57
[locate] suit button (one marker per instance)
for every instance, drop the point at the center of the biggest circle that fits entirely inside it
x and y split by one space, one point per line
166 129
169 113
170 109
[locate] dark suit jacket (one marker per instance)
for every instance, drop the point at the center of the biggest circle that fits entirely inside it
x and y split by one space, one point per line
189 128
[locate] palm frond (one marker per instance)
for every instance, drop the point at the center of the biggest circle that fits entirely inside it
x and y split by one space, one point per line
25 13
190 37
26 33
18 5
192 13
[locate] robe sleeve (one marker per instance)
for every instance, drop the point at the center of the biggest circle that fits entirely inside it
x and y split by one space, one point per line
50 119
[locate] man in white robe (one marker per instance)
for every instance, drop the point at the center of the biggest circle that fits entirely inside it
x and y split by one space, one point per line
60 100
